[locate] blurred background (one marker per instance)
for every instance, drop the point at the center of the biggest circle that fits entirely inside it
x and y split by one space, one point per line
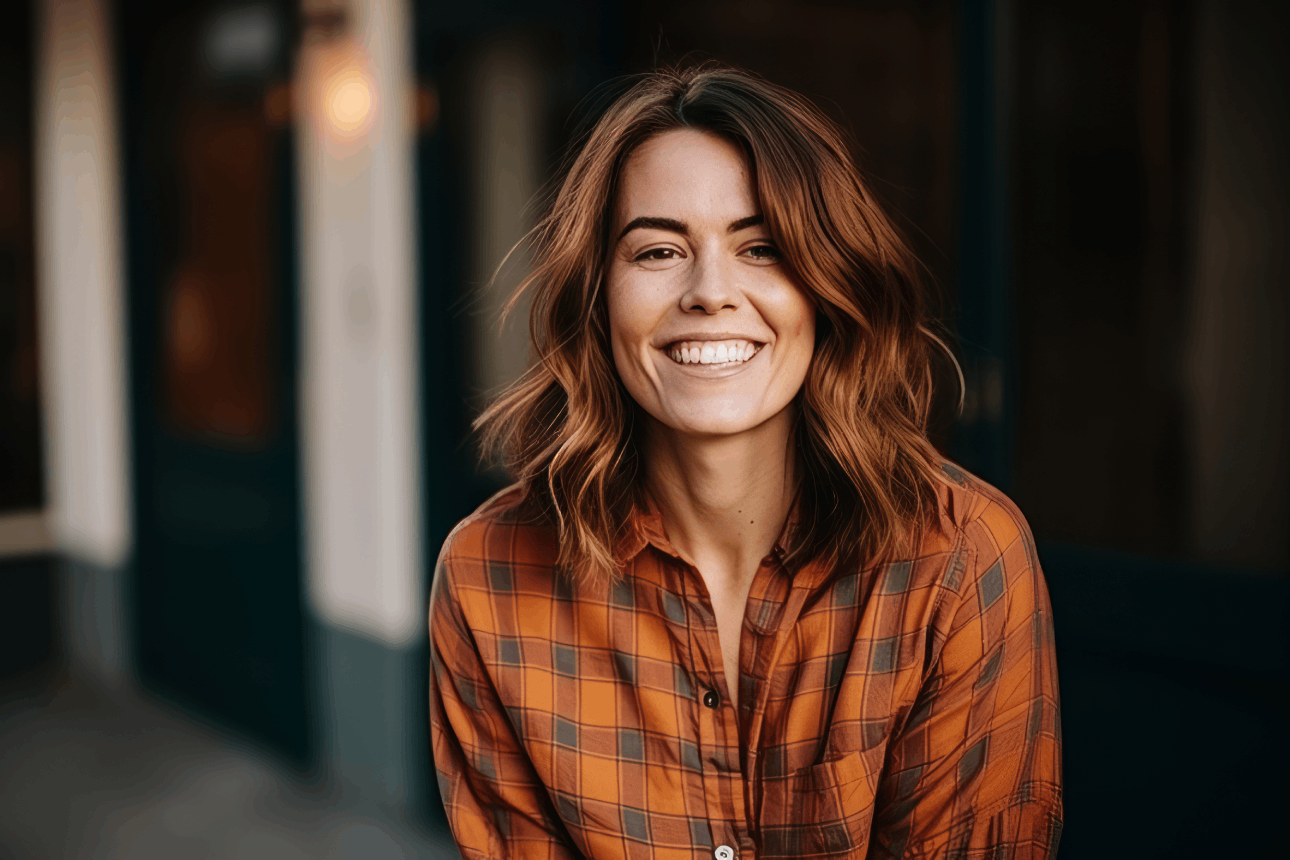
245 322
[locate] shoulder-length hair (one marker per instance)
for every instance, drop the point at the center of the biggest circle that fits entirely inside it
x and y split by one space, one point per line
867 472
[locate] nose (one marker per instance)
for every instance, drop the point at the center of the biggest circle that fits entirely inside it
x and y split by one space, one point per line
711 287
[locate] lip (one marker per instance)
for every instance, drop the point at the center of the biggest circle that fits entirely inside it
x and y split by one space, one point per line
713 371
663 344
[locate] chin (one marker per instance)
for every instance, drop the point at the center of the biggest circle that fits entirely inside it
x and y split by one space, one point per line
708 424
711 428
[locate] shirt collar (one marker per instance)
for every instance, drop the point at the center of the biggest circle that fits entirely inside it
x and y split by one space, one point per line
645 528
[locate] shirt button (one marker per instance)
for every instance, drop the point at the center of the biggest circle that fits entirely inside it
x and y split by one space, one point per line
724 852
711 699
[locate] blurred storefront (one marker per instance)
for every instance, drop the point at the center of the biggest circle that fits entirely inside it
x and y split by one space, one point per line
252 261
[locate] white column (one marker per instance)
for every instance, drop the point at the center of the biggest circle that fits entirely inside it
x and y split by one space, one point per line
358 318
79 272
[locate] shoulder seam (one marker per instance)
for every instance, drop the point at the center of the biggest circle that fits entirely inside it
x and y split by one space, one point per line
475 516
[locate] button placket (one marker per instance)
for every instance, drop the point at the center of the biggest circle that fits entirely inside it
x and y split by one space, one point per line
718 727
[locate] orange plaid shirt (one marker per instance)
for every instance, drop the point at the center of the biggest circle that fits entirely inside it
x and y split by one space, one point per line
908 710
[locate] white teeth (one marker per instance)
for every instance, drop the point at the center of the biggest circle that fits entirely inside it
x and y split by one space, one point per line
712 352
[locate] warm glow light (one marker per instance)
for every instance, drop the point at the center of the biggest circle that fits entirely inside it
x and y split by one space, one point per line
349 102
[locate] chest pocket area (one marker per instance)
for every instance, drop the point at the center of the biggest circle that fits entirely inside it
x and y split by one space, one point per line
822 811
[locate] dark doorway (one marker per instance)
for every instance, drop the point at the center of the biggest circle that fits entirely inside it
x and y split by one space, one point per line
209 189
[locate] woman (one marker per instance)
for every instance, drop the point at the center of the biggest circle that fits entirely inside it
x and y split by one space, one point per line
735 605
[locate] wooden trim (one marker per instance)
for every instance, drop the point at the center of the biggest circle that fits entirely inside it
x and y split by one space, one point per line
24 533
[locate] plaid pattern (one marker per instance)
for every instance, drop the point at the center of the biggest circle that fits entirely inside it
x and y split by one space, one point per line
908 710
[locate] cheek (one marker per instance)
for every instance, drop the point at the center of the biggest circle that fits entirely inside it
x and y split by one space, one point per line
801 324
808 331
628 326
798 314
631 315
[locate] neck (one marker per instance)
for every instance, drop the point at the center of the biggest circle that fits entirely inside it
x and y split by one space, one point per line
724 499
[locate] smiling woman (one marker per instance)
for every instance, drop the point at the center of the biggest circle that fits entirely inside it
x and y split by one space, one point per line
709 333
735 603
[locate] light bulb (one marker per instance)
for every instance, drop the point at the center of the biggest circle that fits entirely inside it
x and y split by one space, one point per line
349 102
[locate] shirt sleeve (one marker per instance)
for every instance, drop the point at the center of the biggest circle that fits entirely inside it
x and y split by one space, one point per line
496 805
976 770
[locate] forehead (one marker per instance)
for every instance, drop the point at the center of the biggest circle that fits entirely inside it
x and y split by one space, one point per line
686 174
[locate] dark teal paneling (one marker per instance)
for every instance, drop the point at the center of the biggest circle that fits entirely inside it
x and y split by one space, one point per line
985 318
217 594
28 620
1173 682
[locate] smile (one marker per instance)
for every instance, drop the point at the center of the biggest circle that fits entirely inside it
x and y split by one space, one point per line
715 352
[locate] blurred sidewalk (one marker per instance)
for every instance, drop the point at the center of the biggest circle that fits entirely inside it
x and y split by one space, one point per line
88 774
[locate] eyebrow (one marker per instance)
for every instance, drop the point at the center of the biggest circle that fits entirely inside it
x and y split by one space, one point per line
672 225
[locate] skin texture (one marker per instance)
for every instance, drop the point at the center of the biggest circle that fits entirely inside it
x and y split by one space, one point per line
692 262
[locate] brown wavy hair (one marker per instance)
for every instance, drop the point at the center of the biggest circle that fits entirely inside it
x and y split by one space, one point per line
867 473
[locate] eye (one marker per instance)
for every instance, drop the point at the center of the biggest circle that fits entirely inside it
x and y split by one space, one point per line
764 252
656 254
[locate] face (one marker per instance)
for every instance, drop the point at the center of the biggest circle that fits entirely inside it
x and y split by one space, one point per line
710 336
